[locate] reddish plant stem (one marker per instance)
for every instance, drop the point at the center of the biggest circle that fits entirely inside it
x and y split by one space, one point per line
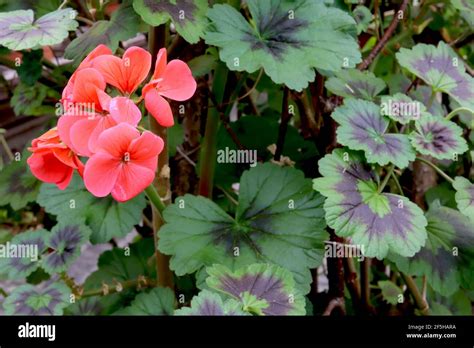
383 41
285 118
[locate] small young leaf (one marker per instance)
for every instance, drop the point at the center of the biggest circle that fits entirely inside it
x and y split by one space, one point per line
285 38
438 137
464 196
441 68
362 127
39 300
19 30
363 17
207 303
377 222
390 291
263 289
354 83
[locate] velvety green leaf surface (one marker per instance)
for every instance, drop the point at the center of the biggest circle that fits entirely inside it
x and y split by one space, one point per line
362 127
438 137
28 100
390 291
363 17
285 38
464 196
123 24
401 108
159 301
188 16
39 300
278 220
263 289
19 30
207 303
377 222
466 9
106 217
441 68
353 83
447 255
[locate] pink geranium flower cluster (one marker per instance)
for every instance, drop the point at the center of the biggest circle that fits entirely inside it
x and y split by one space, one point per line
101 120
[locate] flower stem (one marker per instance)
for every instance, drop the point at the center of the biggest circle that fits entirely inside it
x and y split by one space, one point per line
456 111
397 183
438 170
419 300
155 198
386 178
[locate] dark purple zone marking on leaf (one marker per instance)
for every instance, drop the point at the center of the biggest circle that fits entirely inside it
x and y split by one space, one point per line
398 221
442 137
210 307
444 64
268 288
23 264
362 123
278 32
160 6
442 262
65 242
362 88
21 307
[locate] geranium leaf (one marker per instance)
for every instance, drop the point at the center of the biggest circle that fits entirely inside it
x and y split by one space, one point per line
104 216
278 220
207 303
188 16
123 24
20 31
281 33
18 186
438 137
377 222
64 244
464 196
263 289
363 17
39 300
390 291
444 260
159 301
401 108
21 267
354 83
28 100
441 68
455 304
362 127
466 9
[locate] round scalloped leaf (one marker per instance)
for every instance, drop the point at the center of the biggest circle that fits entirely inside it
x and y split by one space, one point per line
466 9
64 246
159 301
279 220
464 196
441 68
390 291
207 303
363 17
362 127
18 186
377 222
285 38
445 257
188 16
263 289
39 300
438 137
456 304
20 256
401 108
353 83
106 217
123 24
19 30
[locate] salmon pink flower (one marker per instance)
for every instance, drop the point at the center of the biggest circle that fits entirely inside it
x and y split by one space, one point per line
124 73
124 164
172 80
52 161
81 132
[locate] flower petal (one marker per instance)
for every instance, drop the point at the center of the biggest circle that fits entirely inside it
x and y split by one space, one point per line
132 180
145 150
80 133
160 64
159 108
100 50
65 124
136 65
100 174
124 110
178 82
84 89
116 140
47 168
